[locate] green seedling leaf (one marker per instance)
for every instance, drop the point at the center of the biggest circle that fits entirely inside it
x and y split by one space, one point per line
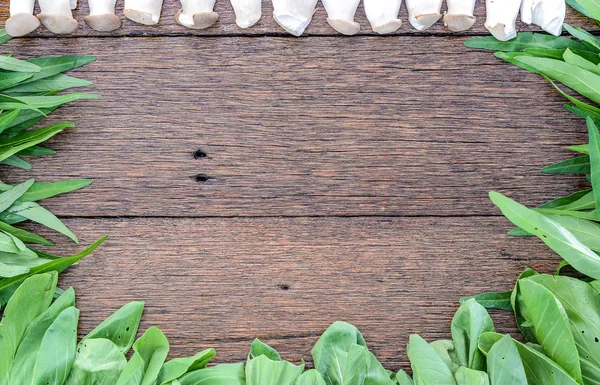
504 364
447 352
177 367
29 301
523 41
264 371
121 327
470 321
8 63
98 362
37 213
580 165
521 317
403 378
259 348
8 198
499 301
466 376
224 374
150 352
552 234
312 377
428 367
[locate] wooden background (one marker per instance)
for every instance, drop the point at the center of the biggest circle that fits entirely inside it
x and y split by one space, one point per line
345 178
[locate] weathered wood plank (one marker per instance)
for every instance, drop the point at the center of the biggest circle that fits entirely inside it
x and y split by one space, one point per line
221 282
227 26
321 126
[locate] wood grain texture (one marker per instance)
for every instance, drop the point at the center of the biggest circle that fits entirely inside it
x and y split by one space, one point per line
267 26
320 126
222 282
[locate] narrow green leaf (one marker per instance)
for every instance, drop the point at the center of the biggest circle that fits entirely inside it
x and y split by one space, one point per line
500 301
579 8
45 190
8 63
525 40
25 236
11 79
579 165
223 374
8 198
28 139
7 119
541 52
177 367
37 213
36 151
4 37
53 101
580 62
594 136
57 82
470 321
57 64
15 161
584 36
580 148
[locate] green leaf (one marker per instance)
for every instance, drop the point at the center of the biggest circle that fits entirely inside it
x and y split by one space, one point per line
466 376
8 198
98 362
25 236
523 41
37 213
500 301
15 161
403 378
121 327
259 348
541 52
539 369
11 79
264 371
57 82
29 301
447 352
311 377
57 64
589 215
584 36
9 286
7 119
177 367
504 364
4 37
579 8
582 200
580 165
9 270
38 102
28 139
44 190
521 317
594 136
27 119
470 321
36 151
151 350
550 326
8 63
580 62
428 367
224 374
552 234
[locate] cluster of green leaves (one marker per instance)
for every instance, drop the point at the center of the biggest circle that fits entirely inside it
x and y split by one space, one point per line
29 91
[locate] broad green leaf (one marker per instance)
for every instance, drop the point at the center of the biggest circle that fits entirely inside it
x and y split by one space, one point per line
551 326
586 231
466 376
522 317
57 64
20 263
470 321
259 348
57 350
223 374
57 82
403 378
331 352
594 137
10 270
23 366
582 305
151 350
539 369
9 286
447 352
584 36
428 367
37 213
25 236
580 62
8 244
504 364
580 8
552 234
98 362
580 165
500 301
8 198
11 79
29 301
589 215
525 40
177 367
121 327
8 63
310 377
15 161
376 373
264 371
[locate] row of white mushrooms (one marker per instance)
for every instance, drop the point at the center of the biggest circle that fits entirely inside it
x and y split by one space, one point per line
294 15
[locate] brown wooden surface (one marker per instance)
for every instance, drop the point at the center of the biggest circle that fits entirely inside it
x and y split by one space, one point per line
347 179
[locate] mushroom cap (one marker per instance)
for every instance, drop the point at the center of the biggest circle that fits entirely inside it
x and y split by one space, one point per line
457 23
292 24
21 24
58 24
200 20
103 23
424 22
344 27
389 27
140 17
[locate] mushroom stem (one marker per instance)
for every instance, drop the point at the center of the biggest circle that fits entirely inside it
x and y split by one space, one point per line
294 15
383 15
102 15
547 14
73 4
197 14
340 15
247 12
460 15
502 17
56 15
21 21
145 12
422 14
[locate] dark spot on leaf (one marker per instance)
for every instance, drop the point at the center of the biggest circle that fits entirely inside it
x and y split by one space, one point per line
596 339
127 329
199 154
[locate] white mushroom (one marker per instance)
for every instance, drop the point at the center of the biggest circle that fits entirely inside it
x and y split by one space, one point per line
102 15
247 12
197 14
56 15
340 15
73 4
422 14
502 17
548 14
21 21
459 16
294 15
383 15
145 12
